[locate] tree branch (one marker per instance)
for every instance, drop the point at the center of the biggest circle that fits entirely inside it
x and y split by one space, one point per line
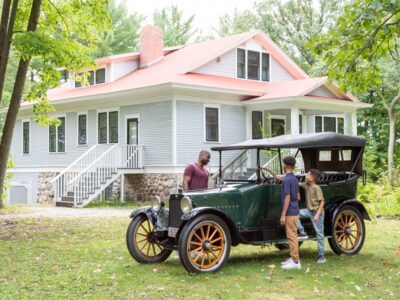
60 14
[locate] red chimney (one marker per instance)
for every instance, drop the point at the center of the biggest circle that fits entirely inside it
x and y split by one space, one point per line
151 45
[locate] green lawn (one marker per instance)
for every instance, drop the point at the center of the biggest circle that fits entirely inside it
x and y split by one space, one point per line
87 258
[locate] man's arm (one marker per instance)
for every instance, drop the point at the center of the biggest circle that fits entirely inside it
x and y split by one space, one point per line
285 208
186 181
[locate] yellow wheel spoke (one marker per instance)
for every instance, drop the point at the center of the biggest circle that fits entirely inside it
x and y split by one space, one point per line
216 240
195 243
197 236
142 240
144 246
197 249
212 235
202 261
148 249
154 249
208 231
142 234
202 233
212 252
148 225
141 225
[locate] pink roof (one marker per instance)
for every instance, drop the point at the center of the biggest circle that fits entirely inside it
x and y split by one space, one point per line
179 62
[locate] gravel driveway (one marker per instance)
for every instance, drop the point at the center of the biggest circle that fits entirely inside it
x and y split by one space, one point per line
65 212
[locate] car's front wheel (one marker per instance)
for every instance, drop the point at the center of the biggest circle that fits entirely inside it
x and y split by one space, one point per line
141 243
348 232
204 244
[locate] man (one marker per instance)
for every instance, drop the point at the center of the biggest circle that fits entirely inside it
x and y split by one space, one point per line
195 176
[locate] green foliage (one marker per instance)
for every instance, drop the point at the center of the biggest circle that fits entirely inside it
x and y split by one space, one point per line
66 36
380 199
123 37
70 258
177 31
115 203
241 21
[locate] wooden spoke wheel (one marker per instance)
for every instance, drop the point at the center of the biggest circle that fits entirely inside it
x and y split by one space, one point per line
141 242
204 244
348 231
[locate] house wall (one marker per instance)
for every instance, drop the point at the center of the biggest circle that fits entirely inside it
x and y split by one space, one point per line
322 92
28 181
122 68
155 130
155 134
225 65
190 130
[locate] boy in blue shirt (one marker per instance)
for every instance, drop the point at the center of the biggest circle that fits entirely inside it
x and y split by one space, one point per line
290 210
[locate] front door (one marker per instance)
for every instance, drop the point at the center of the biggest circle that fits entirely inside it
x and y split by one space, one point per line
132 139
133 132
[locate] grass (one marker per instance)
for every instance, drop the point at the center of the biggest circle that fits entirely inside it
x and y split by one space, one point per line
13 209
87 258
116 204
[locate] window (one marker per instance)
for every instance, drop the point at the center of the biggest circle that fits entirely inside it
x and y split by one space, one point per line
257 121
265 67
241 63
324 155
82 129
253 65
212 124
64 76
329 124
108 127
345 155
25 137
94 77
57 137
278 126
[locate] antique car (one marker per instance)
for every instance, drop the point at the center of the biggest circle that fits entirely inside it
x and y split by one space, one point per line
203 225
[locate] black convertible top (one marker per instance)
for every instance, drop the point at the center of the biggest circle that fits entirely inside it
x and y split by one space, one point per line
302 141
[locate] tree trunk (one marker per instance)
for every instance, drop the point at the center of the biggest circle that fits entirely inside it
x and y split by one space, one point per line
6 45
15 101
392 136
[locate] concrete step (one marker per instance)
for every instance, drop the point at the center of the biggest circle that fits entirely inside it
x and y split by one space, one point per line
64 203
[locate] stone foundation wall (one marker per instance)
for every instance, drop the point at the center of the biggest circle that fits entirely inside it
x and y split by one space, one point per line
142 187
45 193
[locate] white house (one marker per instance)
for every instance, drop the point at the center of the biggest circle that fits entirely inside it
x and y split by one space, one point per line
146 115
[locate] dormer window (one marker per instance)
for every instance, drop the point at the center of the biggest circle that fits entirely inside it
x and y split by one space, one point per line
95 77
253 65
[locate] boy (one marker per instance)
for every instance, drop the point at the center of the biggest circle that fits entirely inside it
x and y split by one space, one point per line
314 210
290 211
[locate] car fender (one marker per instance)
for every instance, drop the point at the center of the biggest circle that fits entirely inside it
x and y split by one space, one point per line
235 235
146 210
334 210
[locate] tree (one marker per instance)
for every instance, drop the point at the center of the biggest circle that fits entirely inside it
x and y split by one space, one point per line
241 21
177 31
59 34
363 54
123 36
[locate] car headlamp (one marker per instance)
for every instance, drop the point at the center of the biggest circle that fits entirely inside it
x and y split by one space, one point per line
156 204
186 204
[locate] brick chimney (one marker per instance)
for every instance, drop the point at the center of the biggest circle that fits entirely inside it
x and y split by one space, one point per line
151 45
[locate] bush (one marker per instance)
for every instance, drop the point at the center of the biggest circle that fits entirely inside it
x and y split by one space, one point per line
380 198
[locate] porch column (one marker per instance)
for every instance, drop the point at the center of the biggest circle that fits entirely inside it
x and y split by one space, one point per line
354 123
122 189
294 120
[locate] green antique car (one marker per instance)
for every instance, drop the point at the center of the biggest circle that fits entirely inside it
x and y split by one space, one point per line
203 225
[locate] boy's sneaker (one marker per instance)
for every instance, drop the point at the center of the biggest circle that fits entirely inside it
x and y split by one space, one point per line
302 235
291 265
286 261
321 259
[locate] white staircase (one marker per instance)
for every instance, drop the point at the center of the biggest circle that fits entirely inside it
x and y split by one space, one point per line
92 172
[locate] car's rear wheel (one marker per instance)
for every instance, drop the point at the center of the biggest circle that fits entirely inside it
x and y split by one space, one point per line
204 244
348 232
141 243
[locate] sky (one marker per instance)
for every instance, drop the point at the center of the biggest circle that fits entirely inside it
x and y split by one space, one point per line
207 12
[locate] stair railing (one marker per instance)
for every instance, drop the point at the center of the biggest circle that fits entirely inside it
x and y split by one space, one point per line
237 162
63 180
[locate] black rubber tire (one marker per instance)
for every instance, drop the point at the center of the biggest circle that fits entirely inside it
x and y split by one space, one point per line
134 249
335 246
285 246
183 244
